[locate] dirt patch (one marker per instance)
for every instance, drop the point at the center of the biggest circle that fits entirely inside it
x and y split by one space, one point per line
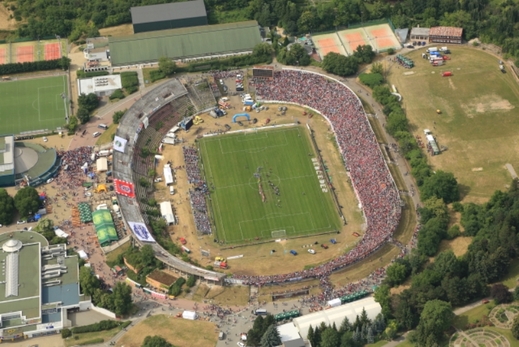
120 30
7 21
399 289
459 245
177 331
487 103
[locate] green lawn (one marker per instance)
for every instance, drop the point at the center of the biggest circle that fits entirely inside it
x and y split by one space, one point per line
107 135
240 165
32 104
472 316
478 121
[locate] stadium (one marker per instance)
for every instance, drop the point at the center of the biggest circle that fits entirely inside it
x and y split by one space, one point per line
26 163
168 104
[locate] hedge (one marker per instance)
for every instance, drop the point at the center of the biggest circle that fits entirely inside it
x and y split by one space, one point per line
92 341
100 326
62 63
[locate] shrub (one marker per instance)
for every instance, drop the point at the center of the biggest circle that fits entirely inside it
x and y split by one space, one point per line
156 75
117 94
453 232
92 341
66 333
99 326
457 206
191 281
391 51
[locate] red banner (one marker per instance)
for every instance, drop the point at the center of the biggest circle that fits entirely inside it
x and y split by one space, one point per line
124 188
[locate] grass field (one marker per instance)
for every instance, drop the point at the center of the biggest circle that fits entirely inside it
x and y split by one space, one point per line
32 104
478 121
241 165
177 331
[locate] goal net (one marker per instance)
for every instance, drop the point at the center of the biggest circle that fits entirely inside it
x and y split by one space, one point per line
278 234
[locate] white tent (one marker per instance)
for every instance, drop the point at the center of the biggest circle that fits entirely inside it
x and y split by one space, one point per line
102 164
168 175
60 233
336 315
82 254
334 302
167 212
189 315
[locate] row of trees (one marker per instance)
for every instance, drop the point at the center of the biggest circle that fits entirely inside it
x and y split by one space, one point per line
361 332
8 69
118 301
26 201
86 104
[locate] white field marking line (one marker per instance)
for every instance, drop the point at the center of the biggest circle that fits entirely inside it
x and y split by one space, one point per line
214 201
245 138
306 231
39 111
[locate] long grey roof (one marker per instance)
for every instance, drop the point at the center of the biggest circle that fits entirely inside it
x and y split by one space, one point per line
171 11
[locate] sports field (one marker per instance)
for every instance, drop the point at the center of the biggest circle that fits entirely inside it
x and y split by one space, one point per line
265 185
32 104
479 116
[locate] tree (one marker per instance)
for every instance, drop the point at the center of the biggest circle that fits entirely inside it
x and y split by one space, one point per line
397 274
88 102
340 65
294 54
435 319
383 297
83 115
167 66
27 201
515 327
89 283
442 185
122 294
6 207
310 336
500 293
263 51
155 341
117 116
364 54
271 337
72 123
330 338
345 326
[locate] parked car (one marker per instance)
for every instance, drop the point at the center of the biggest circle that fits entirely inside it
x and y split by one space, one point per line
21 222
293 252
311 251
324 246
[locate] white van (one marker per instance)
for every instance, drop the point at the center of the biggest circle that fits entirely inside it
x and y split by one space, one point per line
103 126
96 134
171 190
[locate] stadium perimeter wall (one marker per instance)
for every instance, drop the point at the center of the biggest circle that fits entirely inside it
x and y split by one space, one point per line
185 43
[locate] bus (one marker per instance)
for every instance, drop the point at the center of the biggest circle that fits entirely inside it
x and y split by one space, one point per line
260 312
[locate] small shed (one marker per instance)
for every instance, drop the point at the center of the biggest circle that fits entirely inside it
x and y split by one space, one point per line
191 315
82 254
102 164
60 233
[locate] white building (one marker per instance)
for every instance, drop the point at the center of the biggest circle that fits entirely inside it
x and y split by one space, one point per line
337 314
100 85
167 212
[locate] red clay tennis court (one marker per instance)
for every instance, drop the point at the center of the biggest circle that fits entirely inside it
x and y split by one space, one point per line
52 51
327 43
25 54
3 56
352 39
382 36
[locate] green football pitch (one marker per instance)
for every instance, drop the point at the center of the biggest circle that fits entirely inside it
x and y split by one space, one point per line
32 104
265 185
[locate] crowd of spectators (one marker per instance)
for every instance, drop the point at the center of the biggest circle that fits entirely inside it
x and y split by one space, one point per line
197 195
360 150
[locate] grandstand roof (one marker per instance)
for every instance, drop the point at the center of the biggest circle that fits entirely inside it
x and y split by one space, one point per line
171 11
199 41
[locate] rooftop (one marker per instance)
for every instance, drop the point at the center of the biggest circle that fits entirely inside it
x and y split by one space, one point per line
99 84
6 154
446 31
192 42
165 12
420 31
